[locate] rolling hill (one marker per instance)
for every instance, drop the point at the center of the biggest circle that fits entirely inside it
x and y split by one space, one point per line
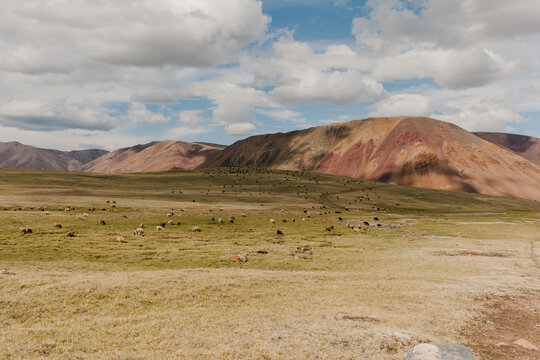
413 151
154 156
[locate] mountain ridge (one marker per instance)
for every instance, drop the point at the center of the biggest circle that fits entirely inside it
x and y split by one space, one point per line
414 151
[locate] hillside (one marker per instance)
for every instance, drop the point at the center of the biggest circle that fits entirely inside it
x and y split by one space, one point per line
526 146
413 151
15 155
154 156
82 156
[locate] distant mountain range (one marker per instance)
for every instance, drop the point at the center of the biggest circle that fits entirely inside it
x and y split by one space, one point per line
15 155
526 146
413 151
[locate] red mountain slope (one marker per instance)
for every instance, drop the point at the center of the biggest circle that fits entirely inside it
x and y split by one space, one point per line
419 152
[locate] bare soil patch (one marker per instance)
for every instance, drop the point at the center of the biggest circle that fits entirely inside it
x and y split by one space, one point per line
504 321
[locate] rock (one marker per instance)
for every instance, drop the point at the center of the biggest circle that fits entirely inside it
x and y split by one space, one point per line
439 352
526 344
404 339
502 343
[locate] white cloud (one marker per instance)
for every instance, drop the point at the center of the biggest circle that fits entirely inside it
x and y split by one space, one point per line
42 116
282 114
140 33
139 114
72 139
192 117
70 64
183 132
403 105
335 87
155 97
240 129
233 103
474 115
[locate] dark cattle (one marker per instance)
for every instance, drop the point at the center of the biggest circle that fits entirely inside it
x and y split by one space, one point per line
279 232
366 223
376 218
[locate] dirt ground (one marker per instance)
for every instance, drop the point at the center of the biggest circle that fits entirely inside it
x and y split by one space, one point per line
492 334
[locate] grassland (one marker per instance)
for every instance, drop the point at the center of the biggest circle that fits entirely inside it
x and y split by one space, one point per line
309 293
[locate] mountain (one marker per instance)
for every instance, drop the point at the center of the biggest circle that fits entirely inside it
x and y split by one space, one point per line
155 156
18 156
526 146
82 156
413 151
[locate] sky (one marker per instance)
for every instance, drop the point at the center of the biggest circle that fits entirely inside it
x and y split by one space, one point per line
80 74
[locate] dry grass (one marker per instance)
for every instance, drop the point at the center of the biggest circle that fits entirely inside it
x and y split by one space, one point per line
175 294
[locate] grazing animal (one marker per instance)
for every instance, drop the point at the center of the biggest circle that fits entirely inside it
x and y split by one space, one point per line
379 225
121 239
58 225
272 221
231 220
169 222
196 229
159 228
328 228
220 220
102 222
70 234
178 223
25 230
340 218
366 223
169 214
239 257
141 226
163 224
279 232
365 228
139 232
376 218
85 215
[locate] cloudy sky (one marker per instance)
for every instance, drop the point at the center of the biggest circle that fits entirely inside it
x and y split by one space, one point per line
77 74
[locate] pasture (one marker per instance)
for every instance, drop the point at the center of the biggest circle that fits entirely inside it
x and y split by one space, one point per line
401 265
